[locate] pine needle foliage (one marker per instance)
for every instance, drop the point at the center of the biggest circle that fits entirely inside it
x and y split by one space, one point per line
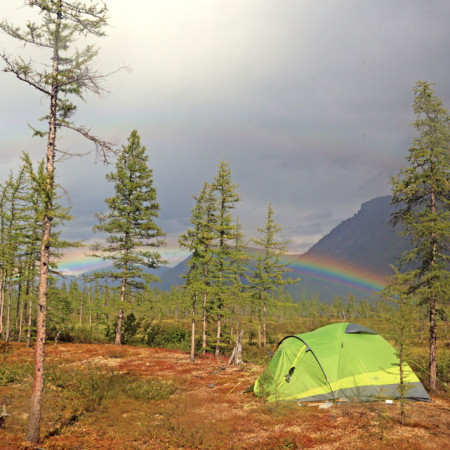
421 193
129 223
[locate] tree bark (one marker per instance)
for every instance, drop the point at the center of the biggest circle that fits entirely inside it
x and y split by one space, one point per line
192 358
118 339
205 297
432 361
8 313
432 306
219 333
30 321
123 287
264 326
2 298
259 330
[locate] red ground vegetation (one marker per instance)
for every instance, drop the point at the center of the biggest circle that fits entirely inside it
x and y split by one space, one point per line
207 410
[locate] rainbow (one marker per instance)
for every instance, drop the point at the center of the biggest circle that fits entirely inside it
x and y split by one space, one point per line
75 261
338 272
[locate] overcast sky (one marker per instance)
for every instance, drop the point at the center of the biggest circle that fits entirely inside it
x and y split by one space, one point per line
309 102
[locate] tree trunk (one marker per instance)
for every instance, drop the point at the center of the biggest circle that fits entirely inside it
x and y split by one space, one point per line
205 297
34 420
432 303
19 302
30 320
8 313
81 308
238 357
118 340
2 299
264 326
432 360
89 303
219 333
23 305
192 358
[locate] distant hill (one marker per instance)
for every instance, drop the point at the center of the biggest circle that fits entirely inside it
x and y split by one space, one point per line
353 258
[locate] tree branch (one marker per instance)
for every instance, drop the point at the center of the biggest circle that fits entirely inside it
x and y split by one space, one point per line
104 149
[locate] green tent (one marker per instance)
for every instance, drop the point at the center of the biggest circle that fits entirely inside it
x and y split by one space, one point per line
338 362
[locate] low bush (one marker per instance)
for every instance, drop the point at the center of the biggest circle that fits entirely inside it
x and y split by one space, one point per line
169 336
14 373
93 386
86 334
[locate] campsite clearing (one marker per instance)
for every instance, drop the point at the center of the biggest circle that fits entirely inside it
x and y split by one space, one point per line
197 405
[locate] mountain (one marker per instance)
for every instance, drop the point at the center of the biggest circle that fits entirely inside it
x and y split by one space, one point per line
366 240
354 258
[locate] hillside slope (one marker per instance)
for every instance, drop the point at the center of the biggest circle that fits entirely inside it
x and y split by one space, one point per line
356 252
366 239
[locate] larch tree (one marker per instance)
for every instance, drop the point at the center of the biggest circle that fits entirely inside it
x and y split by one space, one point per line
238 271
225 230
129 223
421 195
15 211
397 292
199 240
267 276
66 72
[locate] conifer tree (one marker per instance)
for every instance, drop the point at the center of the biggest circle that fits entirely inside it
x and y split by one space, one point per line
225 231
16 211
267 276
238 295
66 72
421 193
199 240
129 223
402 323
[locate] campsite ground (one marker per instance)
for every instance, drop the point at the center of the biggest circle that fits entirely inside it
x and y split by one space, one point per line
194 405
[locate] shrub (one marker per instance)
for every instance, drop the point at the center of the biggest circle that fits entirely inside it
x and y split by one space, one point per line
93 386
14 373
131 330
172 336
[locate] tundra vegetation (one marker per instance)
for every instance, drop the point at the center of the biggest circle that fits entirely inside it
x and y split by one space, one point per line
131 395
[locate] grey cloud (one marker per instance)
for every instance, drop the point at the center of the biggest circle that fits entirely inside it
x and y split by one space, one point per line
308 102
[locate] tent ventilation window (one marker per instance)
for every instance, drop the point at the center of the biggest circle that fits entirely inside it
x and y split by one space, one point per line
353 328
289 375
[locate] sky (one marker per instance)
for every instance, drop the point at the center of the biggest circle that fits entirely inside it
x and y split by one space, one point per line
309 102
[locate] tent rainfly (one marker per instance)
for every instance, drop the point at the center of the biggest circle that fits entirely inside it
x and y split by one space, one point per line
338 362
